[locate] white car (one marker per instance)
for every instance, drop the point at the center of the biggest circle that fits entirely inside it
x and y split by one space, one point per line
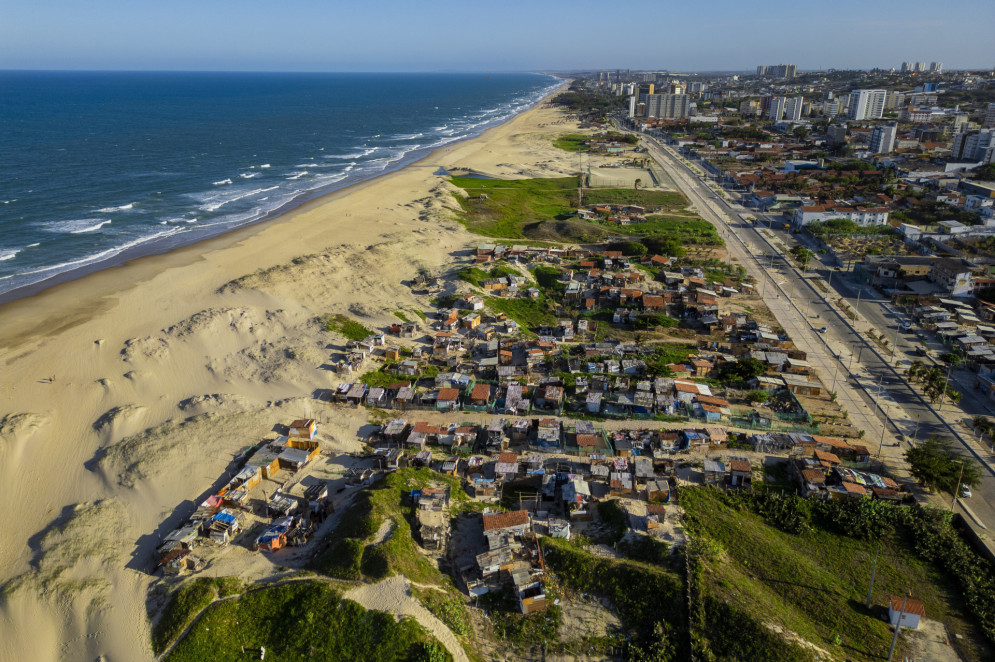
906 326
965 492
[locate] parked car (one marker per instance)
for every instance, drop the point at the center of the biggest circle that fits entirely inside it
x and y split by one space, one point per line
906 326
824 329
965 492
921 351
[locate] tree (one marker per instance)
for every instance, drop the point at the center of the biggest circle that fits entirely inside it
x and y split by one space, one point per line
757 397
636 183
935 464
802 255
742 370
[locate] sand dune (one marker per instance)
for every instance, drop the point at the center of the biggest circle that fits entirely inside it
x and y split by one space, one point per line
127 393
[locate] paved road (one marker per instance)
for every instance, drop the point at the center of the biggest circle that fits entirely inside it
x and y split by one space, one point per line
879 400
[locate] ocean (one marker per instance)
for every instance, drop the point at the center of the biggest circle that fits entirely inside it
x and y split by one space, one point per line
99 167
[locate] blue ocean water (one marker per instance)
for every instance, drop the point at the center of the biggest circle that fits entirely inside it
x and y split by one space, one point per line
96 167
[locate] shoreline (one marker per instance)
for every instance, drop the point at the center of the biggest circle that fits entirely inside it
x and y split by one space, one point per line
127 392
165 246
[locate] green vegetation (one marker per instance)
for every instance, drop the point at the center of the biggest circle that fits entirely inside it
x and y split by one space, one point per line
351 329
685 229
844 227
346 553
802 256
805 566
741 370
529 313
544 208
304 620
666 200
931 212
401 316
572 142
586 102
523 631
757 397
450 608
666 353
936 465
935 384
420 314
511 204
184 605
379 378
612 516
656 321
474 276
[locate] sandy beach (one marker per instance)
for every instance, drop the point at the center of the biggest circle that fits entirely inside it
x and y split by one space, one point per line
125 394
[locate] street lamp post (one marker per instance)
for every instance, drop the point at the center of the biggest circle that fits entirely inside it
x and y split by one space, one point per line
946 385
915 435
960 476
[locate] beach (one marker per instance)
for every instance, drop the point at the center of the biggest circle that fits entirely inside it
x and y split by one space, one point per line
127 393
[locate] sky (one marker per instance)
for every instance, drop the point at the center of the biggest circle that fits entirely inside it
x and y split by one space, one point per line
511 35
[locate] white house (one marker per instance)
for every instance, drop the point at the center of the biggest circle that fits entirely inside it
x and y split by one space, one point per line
864 216
910 611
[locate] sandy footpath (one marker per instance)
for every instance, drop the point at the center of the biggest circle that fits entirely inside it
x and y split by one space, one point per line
124 395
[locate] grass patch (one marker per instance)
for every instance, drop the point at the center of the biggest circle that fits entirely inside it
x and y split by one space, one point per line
543 208
474 276
665 200
420 314
379 378
184 605
529 313
351 329
304 621
686 229
399 314
346 553
572 142
449 608
786 558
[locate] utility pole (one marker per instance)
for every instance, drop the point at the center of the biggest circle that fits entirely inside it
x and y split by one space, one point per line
960 476
898 628
874 569
946 385
915 435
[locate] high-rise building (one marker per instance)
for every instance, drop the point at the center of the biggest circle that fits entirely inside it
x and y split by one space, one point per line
778 70
793 109
836 134
920 67
936 67
977 145
668 106
882 139
866 104
908 67
831 108
894 100
750 107
989 121
777 105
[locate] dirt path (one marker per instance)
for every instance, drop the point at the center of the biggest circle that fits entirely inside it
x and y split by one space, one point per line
393 596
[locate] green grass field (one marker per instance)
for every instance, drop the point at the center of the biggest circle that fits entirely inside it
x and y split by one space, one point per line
687 229
304 620
346 553
815 583
572 142
529 313
512 206
351 329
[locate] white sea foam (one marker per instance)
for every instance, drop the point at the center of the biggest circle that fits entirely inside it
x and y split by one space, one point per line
222 182
8 253
77 226
213 202
33 245
96 257
409 136
249 175
265 165
366 151
111 210
297 175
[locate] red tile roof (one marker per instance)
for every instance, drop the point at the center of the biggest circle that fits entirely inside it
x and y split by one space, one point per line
498 521
911 606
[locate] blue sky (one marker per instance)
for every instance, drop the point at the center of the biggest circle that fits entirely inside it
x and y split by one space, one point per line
408 35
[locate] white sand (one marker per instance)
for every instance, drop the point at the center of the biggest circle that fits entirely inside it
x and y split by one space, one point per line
160 378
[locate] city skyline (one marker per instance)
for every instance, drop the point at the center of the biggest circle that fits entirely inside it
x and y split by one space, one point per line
394 36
